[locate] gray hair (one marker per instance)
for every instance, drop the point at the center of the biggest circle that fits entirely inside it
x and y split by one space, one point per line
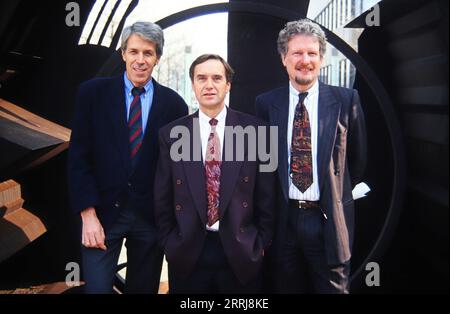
147 31
301 27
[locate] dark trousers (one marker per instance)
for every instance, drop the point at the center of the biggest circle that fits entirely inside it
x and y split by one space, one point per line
212 274
144 258
302 266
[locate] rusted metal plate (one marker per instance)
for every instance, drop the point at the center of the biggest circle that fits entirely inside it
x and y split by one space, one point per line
17 229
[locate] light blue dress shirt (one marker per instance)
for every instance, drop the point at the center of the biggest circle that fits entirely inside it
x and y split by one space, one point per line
146 99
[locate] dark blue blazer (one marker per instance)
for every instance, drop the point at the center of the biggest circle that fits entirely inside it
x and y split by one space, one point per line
100 171
341 158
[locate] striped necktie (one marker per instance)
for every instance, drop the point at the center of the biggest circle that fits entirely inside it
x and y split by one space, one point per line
135 123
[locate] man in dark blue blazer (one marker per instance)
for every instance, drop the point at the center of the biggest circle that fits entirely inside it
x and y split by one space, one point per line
112 160
322 155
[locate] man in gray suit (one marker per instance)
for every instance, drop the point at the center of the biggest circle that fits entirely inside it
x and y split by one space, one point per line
322 156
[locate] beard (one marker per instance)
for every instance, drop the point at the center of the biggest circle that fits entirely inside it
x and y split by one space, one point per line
304 80
309 78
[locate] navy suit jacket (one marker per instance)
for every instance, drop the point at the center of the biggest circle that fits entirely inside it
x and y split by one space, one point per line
246 207
100 171
341 158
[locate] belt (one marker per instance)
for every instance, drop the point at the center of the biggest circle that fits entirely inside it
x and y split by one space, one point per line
303 204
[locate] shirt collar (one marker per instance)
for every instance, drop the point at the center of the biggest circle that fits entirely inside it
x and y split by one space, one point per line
220 117
311 91
129 86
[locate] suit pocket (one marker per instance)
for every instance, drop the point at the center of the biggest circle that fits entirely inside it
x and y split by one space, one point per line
250 242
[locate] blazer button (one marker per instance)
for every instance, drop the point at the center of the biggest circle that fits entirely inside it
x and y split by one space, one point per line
177 207
178 182
246 179
244 204
116 204
129 184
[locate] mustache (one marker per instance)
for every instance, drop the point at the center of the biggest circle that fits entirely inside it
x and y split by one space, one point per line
304 68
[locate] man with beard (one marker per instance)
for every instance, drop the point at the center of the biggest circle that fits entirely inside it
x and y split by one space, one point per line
324 130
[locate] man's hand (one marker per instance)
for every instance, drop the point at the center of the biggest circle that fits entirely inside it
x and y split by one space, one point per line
93 235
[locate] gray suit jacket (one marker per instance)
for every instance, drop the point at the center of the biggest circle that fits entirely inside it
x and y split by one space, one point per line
341 161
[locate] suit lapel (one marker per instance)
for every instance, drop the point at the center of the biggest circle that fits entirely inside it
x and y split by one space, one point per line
156 114
280 116
195 171
117 113
230 169
329 110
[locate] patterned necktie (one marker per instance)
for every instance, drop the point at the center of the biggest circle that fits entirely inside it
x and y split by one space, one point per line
135 123
212 169
301 156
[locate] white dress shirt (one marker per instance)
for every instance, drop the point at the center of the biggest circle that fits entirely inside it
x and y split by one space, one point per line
312 106
205 129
